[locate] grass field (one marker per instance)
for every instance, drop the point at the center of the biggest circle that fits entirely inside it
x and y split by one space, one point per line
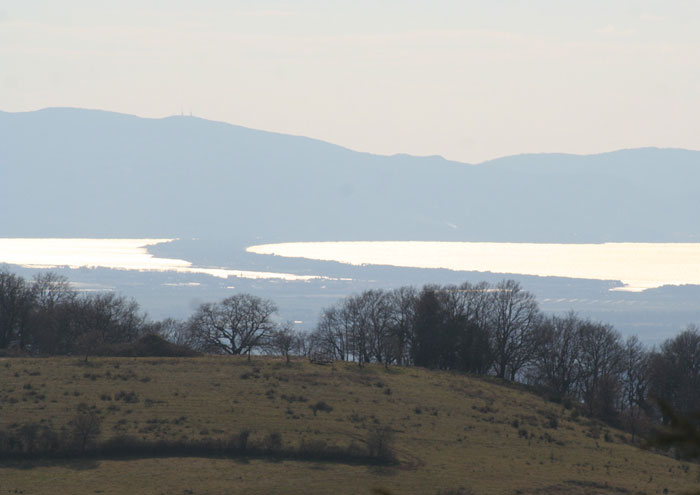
452 432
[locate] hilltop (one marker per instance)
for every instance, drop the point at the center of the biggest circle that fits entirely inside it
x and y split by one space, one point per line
101 174
452 432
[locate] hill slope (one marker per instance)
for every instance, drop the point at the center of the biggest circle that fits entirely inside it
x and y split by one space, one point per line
451 430
71 172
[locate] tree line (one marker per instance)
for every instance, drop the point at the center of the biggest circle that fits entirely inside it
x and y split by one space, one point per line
499 330
483 329
45 316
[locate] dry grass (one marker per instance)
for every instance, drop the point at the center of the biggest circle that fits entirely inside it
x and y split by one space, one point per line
451 431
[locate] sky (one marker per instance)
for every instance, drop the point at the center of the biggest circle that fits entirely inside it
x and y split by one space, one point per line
468 80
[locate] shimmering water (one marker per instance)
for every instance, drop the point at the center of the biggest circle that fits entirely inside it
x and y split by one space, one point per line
122 254
638 266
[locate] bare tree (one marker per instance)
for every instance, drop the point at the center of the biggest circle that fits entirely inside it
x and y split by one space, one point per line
284 341
556 363
110 318
514 316
601 361
355 319
54 302
333 334
86 425
402 304
375 309
635 383
675 371
172 330
236 325
16 304
51 290
470 308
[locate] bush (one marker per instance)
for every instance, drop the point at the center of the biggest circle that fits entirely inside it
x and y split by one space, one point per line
128 397
272 442
312 447
321 406
240 442
380 444
86 427
121 445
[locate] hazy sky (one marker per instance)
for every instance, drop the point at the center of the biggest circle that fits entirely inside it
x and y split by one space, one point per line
469 80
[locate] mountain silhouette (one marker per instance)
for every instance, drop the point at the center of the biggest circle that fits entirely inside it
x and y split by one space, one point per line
70 172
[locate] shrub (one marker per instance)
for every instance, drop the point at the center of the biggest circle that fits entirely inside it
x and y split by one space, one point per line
128 397
86 427
380 444
240 442
312 447
294 398
121 445
28 435
272 442
321 406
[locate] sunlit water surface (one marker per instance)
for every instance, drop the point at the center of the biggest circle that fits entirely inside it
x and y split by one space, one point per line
639 266
121 254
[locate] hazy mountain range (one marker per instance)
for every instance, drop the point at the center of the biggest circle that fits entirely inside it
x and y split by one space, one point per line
71 172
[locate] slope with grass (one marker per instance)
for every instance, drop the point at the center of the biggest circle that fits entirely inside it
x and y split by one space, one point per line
451 432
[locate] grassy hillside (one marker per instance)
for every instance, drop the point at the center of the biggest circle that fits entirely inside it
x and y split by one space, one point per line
452 431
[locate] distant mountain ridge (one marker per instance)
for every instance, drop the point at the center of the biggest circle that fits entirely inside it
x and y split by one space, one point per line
72 172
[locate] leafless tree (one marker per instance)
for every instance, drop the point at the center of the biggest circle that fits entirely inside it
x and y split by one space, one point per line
113 319
376 317
601 362
556 363
402 304
284 341
86 426
236 325
54 303
635 383
514 317
333 334
172 330
675 371
51 290
16 304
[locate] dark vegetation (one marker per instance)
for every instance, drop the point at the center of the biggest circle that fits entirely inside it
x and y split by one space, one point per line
480 329
80 439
